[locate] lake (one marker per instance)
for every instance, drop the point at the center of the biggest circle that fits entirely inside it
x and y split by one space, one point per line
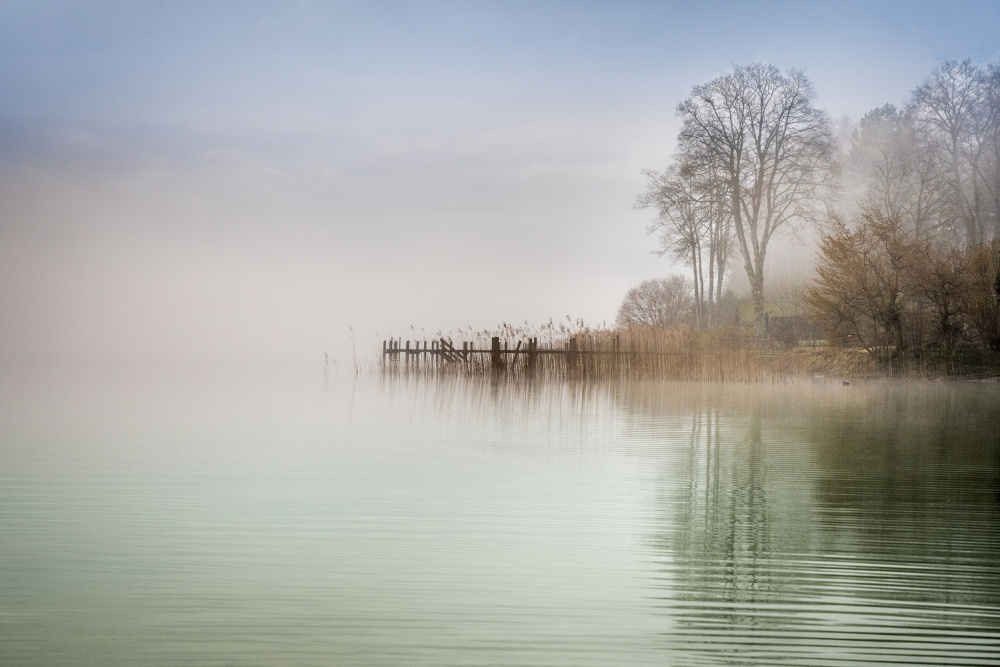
180 516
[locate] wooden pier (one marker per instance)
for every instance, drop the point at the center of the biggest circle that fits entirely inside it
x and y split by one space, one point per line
602 356
500 356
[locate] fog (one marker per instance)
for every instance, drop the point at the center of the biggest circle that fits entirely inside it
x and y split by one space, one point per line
261 182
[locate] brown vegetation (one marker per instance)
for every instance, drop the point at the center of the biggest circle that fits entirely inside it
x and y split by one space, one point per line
890 292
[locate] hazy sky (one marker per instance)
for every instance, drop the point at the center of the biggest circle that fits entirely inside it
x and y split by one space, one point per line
193 180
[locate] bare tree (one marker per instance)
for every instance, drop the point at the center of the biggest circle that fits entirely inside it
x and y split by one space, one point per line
758 128
989 167
695 226
888 163
952 107
658 302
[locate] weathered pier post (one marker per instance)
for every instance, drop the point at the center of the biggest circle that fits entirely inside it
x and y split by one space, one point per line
496 361
532 354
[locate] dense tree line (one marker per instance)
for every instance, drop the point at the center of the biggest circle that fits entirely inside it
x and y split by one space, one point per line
882 287
911 256
919 263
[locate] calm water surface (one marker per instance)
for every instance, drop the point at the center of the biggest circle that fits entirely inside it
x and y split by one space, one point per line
267 519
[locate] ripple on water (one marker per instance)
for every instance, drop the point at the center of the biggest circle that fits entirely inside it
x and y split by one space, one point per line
464 523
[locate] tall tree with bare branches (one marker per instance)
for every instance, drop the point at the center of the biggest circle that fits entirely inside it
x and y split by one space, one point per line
953 108
895 174
695 226
757 127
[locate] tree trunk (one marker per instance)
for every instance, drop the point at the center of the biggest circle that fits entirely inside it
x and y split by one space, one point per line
759 312
696 271
711 285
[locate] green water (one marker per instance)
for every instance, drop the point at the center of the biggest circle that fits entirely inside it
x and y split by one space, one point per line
251 520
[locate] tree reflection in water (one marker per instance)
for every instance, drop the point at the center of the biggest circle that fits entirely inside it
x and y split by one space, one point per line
824 522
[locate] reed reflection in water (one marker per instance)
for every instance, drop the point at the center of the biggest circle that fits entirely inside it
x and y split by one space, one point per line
463 521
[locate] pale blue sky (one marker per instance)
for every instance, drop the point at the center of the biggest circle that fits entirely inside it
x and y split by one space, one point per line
248 179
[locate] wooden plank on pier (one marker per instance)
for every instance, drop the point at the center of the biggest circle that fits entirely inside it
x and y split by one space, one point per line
447 351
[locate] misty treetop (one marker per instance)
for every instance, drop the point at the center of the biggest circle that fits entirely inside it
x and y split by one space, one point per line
935 163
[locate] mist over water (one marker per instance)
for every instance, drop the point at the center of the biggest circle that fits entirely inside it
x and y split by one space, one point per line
242 182
208 212
257 517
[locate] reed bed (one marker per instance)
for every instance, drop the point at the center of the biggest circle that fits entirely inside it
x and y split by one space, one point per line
574 351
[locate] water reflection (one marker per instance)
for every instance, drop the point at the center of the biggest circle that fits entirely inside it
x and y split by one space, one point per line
816 524
806 523
475 521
